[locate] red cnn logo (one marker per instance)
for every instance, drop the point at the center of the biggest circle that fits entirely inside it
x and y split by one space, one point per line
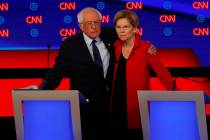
4 6
168 18
67 6
200 5
67 32
34 19
201 31
133 5
139 31
4 33
105 19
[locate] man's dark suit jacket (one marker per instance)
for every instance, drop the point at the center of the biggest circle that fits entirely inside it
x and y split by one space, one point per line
74 61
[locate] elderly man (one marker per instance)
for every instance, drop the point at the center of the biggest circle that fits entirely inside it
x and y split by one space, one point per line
87 58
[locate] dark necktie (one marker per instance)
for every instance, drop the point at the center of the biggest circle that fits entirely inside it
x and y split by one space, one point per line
97 57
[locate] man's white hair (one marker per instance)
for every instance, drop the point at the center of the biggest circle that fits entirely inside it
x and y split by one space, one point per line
81 13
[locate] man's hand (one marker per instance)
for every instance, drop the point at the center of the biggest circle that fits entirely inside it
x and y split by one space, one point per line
31 87
152 50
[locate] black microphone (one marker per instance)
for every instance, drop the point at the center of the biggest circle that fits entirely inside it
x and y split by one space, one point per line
48 55
174 84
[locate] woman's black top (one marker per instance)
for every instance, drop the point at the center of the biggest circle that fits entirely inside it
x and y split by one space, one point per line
119 102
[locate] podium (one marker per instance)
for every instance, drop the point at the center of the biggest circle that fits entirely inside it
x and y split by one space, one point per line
47 115
173 115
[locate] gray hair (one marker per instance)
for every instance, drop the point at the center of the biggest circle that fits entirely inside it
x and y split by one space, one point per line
80 14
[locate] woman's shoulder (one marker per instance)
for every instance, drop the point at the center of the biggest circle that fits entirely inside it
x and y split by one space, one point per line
145 44
117 43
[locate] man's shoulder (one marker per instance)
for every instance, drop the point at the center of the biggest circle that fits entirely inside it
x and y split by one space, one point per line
69 42
108 34
73 38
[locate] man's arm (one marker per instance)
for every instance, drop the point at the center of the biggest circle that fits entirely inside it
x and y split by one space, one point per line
55 75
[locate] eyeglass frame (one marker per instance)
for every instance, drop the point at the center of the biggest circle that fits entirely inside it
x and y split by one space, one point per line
90 23
126 27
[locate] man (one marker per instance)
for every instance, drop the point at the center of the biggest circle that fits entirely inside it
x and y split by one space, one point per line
93 78
87 58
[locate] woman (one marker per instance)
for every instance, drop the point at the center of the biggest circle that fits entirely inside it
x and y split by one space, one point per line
132 73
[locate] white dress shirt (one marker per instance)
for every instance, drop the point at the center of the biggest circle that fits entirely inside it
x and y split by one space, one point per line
104 53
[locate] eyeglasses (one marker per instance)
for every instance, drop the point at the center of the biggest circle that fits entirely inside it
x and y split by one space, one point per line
126 27
90 23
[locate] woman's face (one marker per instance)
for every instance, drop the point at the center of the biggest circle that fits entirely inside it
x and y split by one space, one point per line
124 29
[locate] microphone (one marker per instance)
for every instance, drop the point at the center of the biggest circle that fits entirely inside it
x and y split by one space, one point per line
48 55
174 84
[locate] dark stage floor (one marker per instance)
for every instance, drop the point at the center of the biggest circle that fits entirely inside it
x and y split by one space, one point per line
7 128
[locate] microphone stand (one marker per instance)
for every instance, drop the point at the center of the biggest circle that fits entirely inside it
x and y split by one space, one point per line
174 84
48 55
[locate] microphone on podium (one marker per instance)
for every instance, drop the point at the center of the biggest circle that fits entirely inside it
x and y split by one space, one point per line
48 55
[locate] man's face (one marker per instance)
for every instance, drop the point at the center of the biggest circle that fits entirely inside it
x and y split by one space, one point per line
91 24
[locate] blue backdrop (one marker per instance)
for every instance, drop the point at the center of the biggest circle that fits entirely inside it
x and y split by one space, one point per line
58 17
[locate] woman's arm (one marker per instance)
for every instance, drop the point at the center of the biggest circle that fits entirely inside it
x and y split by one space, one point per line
162 73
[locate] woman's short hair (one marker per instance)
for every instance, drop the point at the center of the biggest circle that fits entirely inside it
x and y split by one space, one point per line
128 14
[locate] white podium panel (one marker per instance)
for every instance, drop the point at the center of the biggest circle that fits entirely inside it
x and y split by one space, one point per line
173 115
47 115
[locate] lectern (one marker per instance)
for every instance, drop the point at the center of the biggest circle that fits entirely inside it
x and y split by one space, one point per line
47 115
173 115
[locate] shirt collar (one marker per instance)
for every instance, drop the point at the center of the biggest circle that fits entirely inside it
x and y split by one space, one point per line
88 40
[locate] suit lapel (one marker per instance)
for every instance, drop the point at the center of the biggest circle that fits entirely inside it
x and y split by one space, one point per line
109 46
85 52
84 49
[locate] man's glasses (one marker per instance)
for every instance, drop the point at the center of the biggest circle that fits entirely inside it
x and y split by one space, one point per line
90 23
